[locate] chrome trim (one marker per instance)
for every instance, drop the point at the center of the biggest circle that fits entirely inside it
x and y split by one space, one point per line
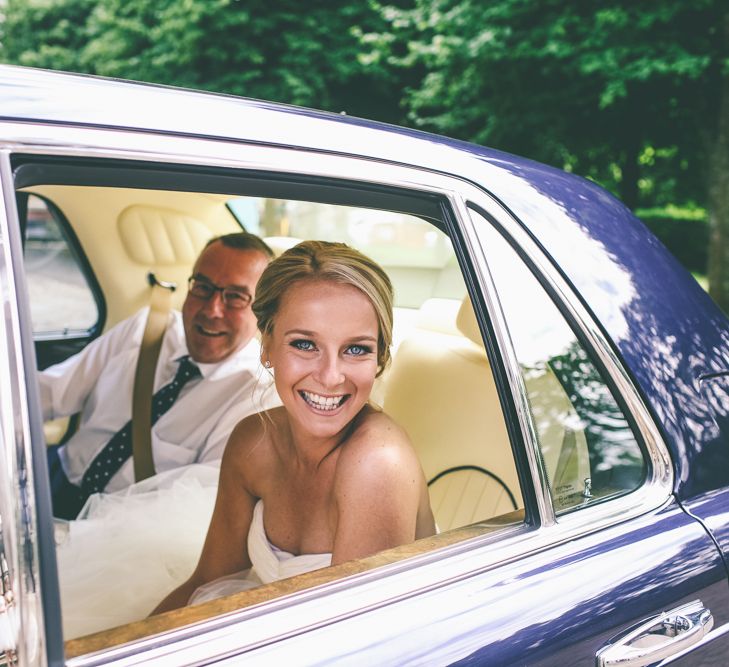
66 335
713 634
226 154
511 363
660 637
17 455
119 144
363 592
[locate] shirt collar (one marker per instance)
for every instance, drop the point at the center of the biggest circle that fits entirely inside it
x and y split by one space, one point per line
247 358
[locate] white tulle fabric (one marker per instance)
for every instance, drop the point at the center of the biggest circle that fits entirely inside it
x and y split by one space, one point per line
129 549
269 563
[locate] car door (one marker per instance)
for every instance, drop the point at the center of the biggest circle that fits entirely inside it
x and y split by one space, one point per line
580 561
595 578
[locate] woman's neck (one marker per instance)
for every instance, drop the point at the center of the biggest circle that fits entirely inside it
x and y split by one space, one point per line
311 451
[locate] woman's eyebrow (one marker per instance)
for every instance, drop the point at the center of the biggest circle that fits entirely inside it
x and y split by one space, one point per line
364 337
306 332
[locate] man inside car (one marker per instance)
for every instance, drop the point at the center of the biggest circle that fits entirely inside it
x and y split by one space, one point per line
207 378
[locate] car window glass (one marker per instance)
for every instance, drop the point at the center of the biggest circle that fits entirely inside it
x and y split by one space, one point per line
60 297
587 445
418 257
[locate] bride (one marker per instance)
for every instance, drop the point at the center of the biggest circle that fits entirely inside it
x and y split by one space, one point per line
325 478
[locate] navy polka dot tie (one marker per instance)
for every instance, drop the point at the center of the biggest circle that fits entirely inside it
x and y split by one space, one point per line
119 448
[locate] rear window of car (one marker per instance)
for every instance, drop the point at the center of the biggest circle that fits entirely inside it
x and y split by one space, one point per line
586 443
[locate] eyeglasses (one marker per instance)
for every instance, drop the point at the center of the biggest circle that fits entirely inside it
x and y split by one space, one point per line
233 297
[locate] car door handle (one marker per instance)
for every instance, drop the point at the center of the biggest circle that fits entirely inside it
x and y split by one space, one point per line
657 638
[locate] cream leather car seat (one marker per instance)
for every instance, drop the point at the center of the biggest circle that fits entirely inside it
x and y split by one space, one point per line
441 390
161 240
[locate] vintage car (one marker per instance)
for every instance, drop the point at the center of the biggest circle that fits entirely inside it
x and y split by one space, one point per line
563 380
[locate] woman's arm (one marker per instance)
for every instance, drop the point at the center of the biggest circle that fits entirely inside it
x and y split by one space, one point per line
225 550
379 489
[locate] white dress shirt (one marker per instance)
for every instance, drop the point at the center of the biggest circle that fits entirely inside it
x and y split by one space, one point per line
98 382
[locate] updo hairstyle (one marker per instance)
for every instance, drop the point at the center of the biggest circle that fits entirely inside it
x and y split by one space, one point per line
329 261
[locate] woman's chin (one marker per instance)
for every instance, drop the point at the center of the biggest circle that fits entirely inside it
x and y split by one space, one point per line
320 423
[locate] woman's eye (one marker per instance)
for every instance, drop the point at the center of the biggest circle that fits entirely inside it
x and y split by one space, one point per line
359 350
303 345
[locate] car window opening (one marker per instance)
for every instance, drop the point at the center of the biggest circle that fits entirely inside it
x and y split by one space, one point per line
439 386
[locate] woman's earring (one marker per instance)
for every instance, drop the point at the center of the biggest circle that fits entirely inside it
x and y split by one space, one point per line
267 364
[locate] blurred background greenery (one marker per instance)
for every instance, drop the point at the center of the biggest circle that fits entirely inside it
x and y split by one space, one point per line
634 95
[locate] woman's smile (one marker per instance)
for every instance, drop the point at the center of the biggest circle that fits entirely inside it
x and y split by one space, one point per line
325 403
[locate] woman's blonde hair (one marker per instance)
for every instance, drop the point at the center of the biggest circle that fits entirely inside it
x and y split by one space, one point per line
335 262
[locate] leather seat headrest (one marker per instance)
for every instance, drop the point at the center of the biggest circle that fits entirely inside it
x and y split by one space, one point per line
467 323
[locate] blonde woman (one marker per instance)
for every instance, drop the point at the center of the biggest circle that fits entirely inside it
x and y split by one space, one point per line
325 478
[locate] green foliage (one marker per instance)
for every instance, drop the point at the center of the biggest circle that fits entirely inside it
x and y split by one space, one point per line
588 86
686 237
622 92
48 34
264 49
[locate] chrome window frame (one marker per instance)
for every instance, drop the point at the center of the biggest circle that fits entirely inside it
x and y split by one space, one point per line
364 592
18 497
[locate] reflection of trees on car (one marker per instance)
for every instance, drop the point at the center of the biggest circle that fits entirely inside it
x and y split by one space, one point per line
615 462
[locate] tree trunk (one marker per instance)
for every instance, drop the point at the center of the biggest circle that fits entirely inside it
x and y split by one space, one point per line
630 171
719 196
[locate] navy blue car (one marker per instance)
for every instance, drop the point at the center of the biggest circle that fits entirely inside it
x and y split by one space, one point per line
563 380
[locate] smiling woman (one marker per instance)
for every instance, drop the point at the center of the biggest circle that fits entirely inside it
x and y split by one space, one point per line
324 354
326 478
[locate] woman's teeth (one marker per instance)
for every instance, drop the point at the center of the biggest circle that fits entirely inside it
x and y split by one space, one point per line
323 402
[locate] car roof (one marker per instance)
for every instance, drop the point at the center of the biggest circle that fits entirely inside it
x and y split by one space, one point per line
78 99
642 298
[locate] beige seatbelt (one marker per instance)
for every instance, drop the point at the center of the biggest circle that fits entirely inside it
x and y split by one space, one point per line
159 310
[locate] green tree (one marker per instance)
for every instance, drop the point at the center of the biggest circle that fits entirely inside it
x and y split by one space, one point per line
273 49
623 92
718 188
47 34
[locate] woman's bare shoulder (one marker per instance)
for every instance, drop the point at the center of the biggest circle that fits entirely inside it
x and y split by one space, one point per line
377 445
250 439
380 493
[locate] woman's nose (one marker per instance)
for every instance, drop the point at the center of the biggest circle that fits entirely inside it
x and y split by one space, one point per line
329 371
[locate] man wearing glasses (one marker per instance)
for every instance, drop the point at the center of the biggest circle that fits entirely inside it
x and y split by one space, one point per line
208 377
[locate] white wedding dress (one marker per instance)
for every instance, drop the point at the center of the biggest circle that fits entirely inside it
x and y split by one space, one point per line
129 549
269 563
